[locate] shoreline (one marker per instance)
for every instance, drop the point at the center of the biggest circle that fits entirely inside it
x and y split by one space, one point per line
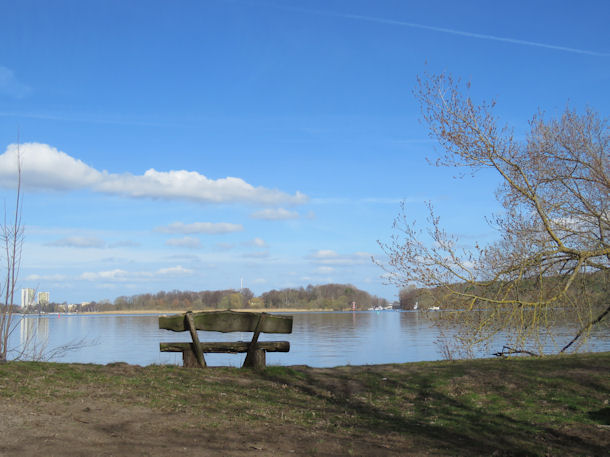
239 310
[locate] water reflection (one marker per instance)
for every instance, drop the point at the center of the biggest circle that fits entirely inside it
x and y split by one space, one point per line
33 332
319 339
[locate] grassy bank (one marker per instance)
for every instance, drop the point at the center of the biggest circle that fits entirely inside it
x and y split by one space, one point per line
538 407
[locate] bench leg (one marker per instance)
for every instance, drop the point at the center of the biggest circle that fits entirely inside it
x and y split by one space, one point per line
189 360
257 360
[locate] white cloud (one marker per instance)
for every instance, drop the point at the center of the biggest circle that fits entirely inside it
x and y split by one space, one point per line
211 228
325 270
10 85
124 244
185 257
185 242
224 246
114 275
44 167
259 242
330 257
119 275
36 277
174 271
276 214
325 254
256 255
78 242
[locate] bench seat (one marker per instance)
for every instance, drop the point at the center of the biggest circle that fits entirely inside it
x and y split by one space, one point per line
227 347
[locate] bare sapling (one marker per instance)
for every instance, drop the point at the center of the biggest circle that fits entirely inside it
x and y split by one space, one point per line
11 234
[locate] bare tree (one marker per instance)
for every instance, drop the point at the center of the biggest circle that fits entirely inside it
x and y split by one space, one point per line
550 264
11 237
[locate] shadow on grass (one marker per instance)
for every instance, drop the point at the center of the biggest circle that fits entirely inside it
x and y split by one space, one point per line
415 407
602 416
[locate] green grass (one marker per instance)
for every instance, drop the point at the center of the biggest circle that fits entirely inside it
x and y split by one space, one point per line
522 406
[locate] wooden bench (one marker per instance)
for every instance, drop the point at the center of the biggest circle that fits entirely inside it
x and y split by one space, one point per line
226 321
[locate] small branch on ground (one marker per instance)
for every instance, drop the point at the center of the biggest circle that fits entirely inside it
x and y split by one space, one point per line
507 350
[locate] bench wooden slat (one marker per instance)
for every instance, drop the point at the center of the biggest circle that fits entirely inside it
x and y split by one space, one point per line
228 321
227 347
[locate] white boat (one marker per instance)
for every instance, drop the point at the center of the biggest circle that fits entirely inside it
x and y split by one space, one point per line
434 308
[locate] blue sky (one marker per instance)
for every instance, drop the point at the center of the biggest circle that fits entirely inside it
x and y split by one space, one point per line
187 145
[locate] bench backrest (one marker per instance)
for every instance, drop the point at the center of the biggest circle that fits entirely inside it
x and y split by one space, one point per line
228 321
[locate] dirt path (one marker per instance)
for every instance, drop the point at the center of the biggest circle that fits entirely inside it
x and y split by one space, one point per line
107 428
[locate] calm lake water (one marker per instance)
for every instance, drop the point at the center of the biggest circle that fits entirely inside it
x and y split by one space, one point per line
320 339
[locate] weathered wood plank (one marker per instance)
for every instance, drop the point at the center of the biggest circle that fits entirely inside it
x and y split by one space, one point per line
228 321
228 347
196 345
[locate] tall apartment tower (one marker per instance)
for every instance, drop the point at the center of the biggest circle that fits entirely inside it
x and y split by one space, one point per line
27 297
43 298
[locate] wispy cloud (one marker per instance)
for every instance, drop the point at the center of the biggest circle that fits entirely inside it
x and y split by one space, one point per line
172 271
115 275
365 200
224 246
37 277
258 242
209 228
185 242
275 214
119 275
450 31
78 242
10 85
124 244
47 168
93 119
184 257
383 201
328 257
256 255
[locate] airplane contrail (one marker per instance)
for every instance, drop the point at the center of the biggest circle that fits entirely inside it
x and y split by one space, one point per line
432 28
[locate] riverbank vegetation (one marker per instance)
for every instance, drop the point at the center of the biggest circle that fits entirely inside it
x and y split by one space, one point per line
320 297
555 406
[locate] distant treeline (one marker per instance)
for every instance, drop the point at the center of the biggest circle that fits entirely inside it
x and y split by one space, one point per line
593 287
328 296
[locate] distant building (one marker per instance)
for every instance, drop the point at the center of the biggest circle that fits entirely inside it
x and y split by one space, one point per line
43 298
28 297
